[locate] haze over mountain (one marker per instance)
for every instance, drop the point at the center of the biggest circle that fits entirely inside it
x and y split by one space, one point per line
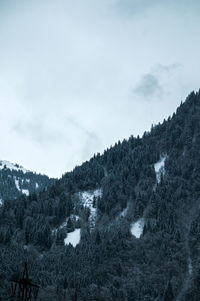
123 226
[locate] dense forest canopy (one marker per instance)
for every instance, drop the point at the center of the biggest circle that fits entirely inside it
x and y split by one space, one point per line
105 198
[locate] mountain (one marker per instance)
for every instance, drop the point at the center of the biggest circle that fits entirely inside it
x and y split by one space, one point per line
16 180
124 225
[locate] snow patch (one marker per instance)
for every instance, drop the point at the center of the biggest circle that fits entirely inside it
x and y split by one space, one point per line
25 191
75 217
87 199
160 167
88 196
137 228
36 185
124 212
73 238
105 172
1 202
17 183
28 180
64 224
11 166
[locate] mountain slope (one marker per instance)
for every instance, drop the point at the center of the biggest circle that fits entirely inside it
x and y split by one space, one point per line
137 206
16 180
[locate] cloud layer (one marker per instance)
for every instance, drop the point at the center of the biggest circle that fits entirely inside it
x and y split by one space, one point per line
76 76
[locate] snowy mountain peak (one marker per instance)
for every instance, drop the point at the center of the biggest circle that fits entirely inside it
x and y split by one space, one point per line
15 180
12 166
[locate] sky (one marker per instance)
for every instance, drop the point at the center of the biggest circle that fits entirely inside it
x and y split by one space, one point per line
77 76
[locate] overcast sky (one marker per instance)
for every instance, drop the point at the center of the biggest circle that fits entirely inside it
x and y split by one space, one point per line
76 76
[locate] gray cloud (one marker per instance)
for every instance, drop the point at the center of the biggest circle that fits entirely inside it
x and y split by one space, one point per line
149 86
39 133
92 141
160 69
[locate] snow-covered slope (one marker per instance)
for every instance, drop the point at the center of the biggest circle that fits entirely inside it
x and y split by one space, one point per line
16 180
73 217
88 200
137 228
11 166
26 192
17 184
160 167
73 238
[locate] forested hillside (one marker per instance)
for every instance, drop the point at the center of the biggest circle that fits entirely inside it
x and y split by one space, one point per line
123 226
16 180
